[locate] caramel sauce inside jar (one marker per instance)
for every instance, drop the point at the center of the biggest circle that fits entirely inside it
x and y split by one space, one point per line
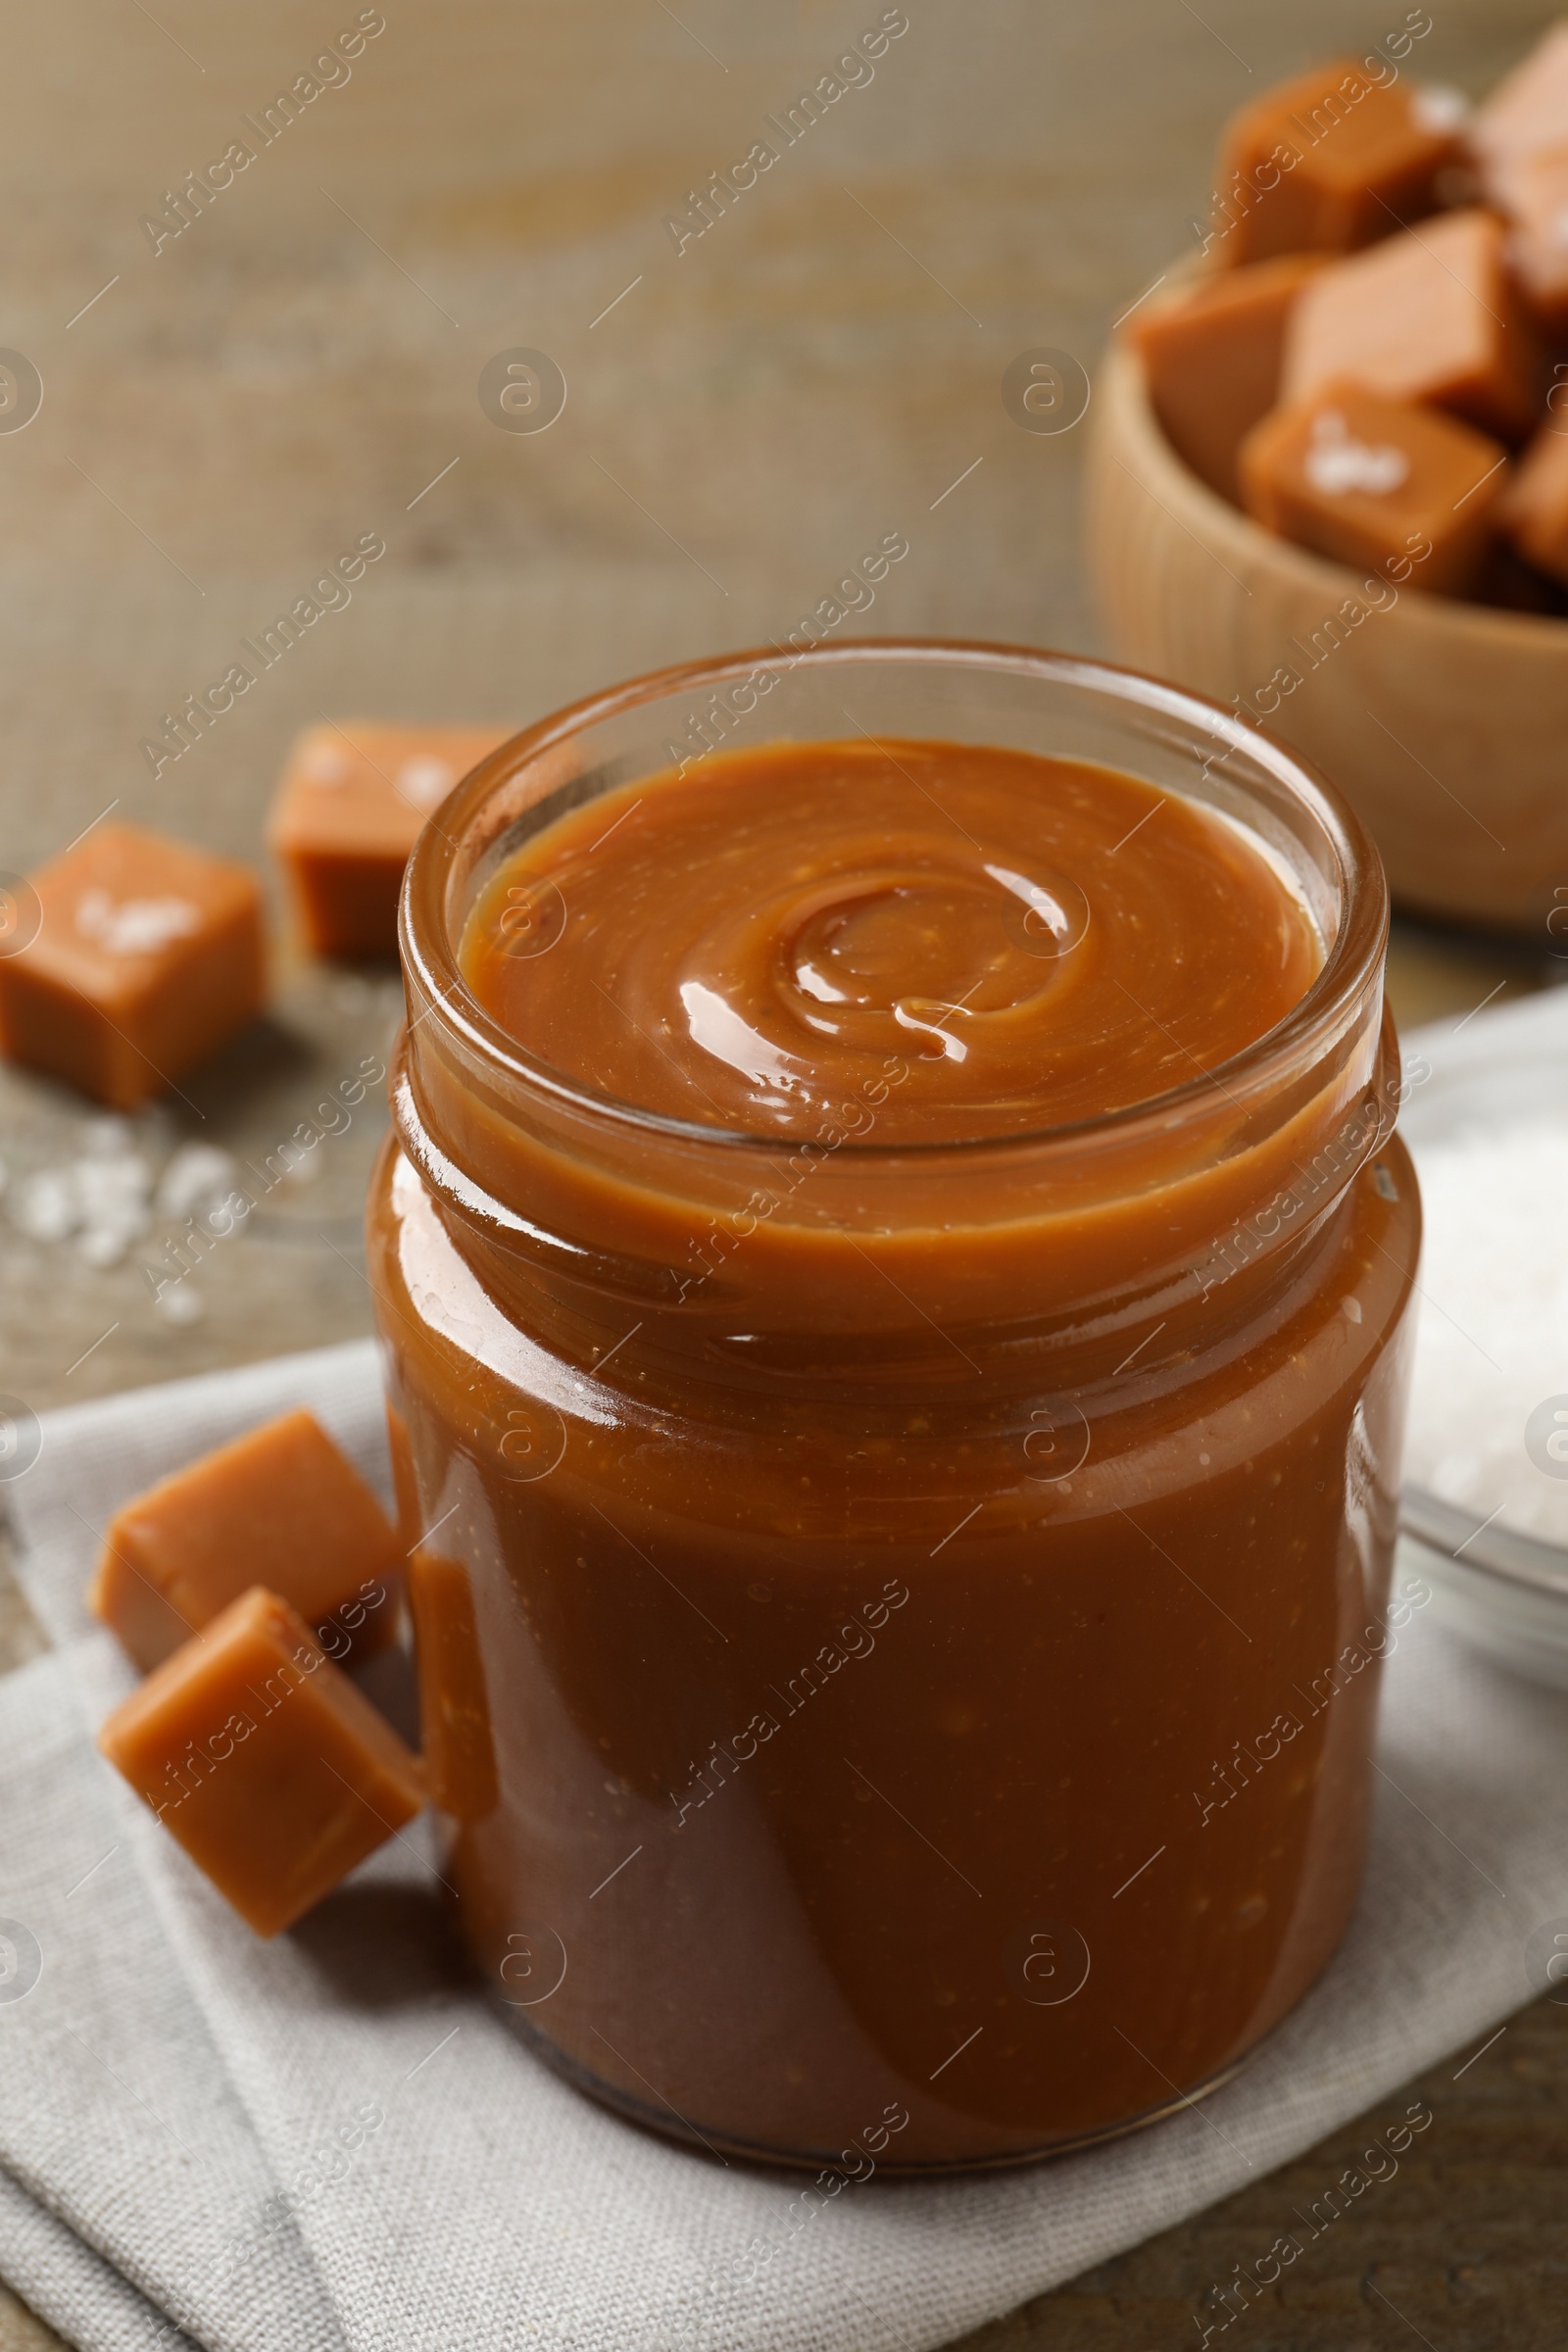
912 1401
748 945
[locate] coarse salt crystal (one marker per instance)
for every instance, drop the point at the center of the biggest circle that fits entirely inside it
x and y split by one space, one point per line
107 1138
1337 463
197 1177
103 1196
104 1245
425 781
45 1207
134 926
1438 108
103 1182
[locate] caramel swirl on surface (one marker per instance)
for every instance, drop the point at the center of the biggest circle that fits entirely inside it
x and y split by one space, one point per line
744 946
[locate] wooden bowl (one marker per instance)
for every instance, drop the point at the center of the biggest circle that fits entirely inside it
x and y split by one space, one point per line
1445 724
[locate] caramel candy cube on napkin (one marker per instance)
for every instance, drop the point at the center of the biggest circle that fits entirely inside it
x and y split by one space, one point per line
1431 315
1371 481
352 802
1527 113
280 1506
1330 161
263 1762
149 952
1211 362
1534 512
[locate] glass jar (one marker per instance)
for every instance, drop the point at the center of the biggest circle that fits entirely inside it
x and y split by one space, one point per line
898 1626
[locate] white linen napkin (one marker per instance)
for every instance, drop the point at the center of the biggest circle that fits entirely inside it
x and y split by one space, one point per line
334 2140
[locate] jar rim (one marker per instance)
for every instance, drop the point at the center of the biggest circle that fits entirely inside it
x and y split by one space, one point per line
430 958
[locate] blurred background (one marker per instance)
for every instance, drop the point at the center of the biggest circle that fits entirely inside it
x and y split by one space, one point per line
227 409
230 402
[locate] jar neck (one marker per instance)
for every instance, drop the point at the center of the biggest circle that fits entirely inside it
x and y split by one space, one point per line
1044 1265
728 1246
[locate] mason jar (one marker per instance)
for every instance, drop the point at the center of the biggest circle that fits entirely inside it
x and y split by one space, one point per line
899 1622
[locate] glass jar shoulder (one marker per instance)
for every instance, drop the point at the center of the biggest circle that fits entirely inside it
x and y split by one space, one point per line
1247 1372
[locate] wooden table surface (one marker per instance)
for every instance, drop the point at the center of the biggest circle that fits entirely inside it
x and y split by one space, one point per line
300 365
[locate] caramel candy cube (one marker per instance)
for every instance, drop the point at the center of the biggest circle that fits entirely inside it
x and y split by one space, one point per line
1370 481
279 1507
149 952
1527 113
263 1762
1536 199
352 802
1330 161
1534 511
1430 315
1212 362
454 1706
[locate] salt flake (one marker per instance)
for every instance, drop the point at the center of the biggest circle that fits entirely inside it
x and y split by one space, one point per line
1337 463
135 927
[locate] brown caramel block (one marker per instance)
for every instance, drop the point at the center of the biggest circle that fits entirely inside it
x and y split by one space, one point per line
1430 315
148 955
1535 197
351 803
1370 481
1329 162
1527 113
1535 509
263 1762
453 1706
1212 362
280 1506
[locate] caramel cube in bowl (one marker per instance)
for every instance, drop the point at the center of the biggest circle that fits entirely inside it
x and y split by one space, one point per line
1533 193
1534 512
1330 161
263 1762
149 952
1527 113
351 803
1432 316
1378 483
1212 362
281 1506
